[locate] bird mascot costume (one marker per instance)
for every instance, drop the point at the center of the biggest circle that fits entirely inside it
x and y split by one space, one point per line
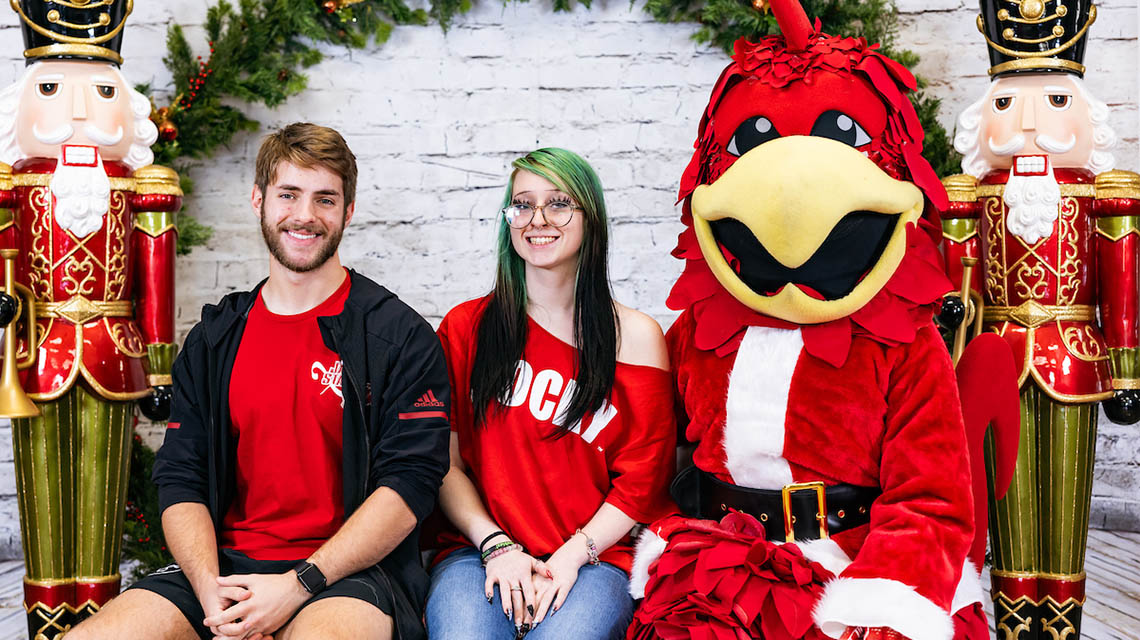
830 495
88 237
1055 230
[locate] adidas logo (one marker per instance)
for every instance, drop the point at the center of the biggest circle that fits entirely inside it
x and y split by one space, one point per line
428 400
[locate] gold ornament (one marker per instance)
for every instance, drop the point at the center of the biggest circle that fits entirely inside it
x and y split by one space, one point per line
759 5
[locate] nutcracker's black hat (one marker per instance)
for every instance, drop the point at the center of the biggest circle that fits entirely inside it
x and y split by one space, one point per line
75 29
1035 36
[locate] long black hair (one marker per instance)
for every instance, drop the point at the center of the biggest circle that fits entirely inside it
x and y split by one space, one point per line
502 332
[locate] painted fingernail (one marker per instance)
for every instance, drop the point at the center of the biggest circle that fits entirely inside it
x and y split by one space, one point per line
489 599
530 608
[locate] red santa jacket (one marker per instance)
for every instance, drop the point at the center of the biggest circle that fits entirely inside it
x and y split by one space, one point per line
770 414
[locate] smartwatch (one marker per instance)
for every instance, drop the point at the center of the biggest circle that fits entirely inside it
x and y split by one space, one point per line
310 577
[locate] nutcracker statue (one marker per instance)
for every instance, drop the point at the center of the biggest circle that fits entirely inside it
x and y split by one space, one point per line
1055 231
88 242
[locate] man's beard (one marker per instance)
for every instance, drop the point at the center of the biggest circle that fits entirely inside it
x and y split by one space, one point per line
1033 205
326 250
82 197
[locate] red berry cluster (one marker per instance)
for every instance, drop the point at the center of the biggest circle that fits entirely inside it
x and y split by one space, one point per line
204 71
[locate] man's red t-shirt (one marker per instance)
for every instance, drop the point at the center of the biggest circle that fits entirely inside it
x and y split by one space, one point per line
287 411
541 489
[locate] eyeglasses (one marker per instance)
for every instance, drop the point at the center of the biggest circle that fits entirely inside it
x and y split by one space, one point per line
557 213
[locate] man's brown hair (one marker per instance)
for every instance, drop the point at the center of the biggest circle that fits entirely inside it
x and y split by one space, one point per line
307 145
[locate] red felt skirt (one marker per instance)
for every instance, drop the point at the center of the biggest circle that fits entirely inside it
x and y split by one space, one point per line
725 581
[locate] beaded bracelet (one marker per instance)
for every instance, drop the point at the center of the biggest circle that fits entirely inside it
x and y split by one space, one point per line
591 548
495 547
499 550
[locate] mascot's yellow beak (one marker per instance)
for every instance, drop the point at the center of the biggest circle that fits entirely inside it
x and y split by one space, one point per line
821 216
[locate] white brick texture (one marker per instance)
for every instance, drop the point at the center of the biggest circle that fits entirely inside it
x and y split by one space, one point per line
436 118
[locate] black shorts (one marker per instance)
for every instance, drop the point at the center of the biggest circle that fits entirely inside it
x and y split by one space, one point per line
370 585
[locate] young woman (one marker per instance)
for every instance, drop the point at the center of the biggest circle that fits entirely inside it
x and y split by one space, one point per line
563 431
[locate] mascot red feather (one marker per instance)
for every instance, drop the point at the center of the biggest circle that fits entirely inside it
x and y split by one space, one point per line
830 494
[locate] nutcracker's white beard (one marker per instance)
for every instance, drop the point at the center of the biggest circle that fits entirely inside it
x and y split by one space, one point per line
82 197
1033 203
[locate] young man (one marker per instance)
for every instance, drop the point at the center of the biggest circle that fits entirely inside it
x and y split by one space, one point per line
307 440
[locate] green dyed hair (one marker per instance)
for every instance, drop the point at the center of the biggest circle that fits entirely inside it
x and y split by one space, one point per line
503 328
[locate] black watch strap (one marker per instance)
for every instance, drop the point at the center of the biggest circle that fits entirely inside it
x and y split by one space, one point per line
310 577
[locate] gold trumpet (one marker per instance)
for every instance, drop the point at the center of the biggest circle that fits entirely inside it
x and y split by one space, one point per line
14 402
973 303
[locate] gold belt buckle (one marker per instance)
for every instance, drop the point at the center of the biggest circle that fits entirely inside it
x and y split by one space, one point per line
786 496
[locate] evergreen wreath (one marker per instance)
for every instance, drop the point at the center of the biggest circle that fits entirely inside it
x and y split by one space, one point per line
259 48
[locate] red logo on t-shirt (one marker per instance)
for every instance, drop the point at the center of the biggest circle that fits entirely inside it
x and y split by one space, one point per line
329 378
428 400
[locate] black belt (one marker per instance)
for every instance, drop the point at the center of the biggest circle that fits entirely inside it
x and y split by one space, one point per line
702 495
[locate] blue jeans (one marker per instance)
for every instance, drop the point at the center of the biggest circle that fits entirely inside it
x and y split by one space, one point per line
599 606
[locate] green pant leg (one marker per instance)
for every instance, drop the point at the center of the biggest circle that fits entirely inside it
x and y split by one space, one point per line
1014 533
1066 449
43 448
102 459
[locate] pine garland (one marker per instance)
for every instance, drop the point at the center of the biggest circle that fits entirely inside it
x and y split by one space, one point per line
723 21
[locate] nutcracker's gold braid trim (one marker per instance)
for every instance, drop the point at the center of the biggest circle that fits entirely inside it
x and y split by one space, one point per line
1067 190
44 179
1058 577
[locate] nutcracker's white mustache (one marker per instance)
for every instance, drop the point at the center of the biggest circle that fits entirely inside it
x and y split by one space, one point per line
1043 141
1010 147
58 135
1051 145
63 133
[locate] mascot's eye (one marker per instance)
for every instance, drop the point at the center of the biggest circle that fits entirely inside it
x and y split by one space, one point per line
1060 101
841 127
751 133
47 89
1003 103
105 91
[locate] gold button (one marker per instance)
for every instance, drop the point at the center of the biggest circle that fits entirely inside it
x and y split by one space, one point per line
862 509
722 507
763 517
842 514
793 519
1032 9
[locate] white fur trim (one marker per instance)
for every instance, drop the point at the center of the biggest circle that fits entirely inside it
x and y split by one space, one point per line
878 602
827 553
757 406
649 548
969 588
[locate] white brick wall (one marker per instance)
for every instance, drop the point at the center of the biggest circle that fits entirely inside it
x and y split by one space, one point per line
436 118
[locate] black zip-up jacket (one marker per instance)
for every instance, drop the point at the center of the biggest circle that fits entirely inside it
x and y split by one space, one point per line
391 360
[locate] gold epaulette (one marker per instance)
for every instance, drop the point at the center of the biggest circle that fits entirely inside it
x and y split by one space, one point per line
5 176
961 188
1118 184
157 179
